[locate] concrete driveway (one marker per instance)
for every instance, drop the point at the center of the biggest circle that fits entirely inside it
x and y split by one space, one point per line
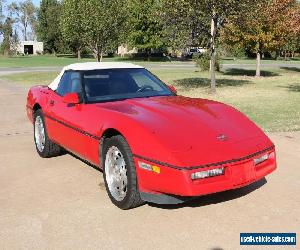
61 203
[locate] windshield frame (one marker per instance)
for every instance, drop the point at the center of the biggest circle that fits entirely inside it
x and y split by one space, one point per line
122 97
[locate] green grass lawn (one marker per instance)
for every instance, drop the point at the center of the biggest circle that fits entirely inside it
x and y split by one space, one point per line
36 61
49 61
32 78
272 101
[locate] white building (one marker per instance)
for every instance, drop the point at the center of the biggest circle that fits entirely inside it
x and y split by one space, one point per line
124 50
30 47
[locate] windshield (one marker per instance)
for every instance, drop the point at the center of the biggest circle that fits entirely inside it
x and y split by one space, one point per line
116 84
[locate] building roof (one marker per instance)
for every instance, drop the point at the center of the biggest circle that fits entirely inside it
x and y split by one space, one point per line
92 66
30 42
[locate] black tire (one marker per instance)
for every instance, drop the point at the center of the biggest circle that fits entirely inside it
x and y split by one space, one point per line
50 148
132 198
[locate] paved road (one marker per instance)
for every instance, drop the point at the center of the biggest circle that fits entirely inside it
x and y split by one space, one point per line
8 71
60 203
184 65
263 65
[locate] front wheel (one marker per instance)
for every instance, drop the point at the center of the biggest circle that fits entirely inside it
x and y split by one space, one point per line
44 146
119 173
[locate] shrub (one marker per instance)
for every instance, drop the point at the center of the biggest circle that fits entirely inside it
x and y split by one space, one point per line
203 62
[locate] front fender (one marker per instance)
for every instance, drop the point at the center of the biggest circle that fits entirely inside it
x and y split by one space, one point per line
37 97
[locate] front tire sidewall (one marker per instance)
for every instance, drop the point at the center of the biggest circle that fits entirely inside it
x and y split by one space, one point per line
132 187
50 149
37 114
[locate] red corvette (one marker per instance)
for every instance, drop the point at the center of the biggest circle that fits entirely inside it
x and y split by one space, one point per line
151 144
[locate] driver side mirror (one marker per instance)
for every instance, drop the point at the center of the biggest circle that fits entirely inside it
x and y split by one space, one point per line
173 89
72 98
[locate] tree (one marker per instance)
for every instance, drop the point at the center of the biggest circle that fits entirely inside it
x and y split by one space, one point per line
202 20
1 15
291 46
48 25
72 25
7 31
25 13
2 29
104 24
268 27
285 25
14 42
185 24
146 28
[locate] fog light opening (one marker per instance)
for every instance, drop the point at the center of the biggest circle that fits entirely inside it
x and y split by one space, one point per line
207 173
261 159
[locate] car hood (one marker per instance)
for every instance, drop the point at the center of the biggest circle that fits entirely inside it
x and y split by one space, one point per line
194 131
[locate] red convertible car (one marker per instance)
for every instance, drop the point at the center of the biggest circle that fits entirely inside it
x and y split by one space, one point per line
152 145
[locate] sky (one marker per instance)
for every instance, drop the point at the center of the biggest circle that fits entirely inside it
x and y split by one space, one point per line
36 2
6 2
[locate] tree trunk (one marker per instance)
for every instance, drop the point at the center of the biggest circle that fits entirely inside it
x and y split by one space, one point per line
25 24
101 55
79 54
257 64
213 55
149 52
6 51
277 55
285 55
98 56
213 72
25 32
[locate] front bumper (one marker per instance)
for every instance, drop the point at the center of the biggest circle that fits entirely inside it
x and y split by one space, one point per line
178 182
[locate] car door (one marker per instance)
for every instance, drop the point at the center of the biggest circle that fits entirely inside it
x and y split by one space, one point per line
64 121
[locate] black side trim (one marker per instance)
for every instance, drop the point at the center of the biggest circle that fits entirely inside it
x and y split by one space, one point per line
206 165
74 128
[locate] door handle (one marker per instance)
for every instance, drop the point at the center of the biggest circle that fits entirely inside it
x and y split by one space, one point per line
51 103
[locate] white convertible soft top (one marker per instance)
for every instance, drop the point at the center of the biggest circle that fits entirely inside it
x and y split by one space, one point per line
92 66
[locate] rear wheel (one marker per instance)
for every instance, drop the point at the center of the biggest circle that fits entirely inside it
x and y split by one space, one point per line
44 146
119 173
